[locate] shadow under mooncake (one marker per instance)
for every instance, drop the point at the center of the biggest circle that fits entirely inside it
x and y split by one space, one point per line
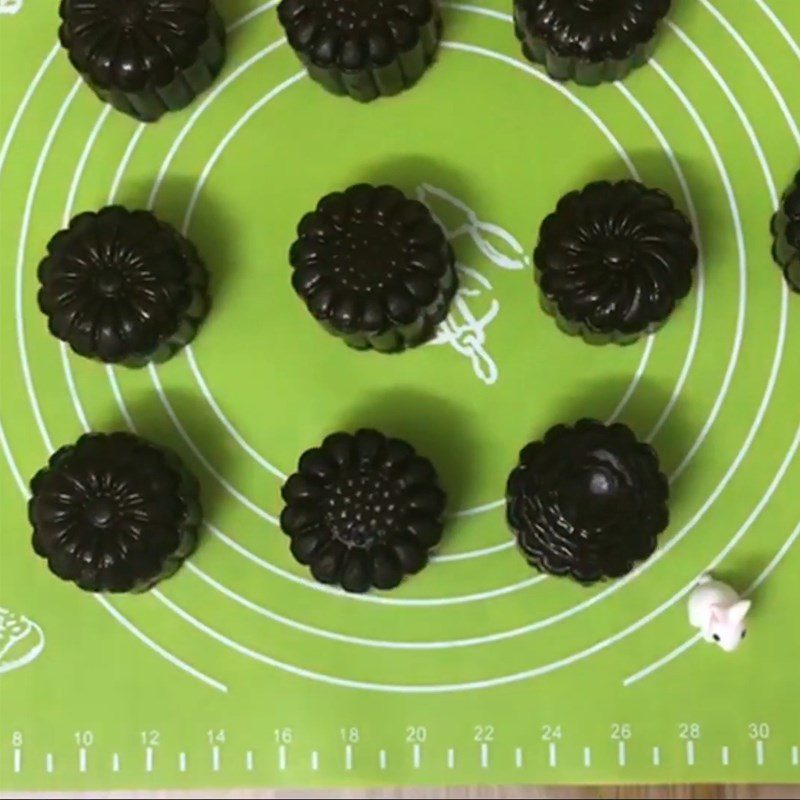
374 268
613 261
123 287
587 501
363 510
114 513
144 57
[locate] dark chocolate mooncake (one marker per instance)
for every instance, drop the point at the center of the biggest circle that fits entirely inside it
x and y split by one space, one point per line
363 48
144 57
374 268
363 510
587 501
589 41
114 513
123 287
613 261
786 230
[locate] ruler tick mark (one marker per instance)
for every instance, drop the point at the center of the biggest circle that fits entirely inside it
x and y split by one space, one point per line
552 756
451 758
587 756
518 757
417 756
795 756
484 755
248 760
315 760
48 762
148 759
382 759
621 755
348 757
82 759
215 758
760 753
282 757
690 753
726 756
182 762
115 762
656 756
17 759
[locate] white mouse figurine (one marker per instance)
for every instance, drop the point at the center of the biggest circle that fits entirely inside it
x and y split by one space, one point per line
718 611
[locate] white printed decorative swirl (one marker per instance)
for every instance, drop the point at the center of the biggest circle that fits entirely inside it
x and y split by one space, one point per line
10 6
474 306
21 640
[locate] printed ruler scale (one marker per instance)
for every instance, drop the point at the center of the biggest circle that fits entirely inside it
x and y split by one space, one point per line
243 671
417 755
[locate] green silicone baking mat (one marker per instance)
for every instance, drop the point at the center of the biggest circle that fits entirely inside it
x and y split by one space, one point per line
241 670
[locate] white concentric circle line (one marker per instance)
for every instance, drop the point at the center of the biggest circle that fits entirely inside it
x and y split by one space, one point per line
227 485
221 147
193 363
123 164
200 110
781 28
682 648
145 639
12 465
187 220
22 350
304 581
756 424
501 680
737 107
245 18
736 220
227 424
479 552
734 209
370 598
742 264
23 104
701 262
756 62
80 168
778 361
115 613
82 162
332 635
23 238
